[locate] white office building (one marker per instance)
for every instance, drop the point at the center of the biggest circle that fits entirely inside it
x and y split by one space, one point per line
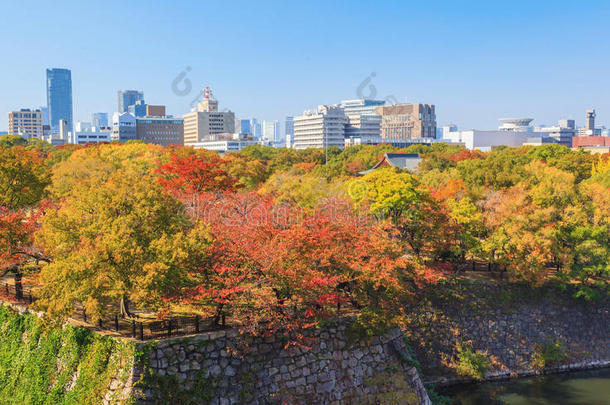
95 135
224 145
362 120
513 132
123 127
320 128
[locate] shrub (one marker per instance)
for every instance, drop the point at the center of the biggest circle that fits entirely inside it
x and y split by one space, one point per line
471 363
548 354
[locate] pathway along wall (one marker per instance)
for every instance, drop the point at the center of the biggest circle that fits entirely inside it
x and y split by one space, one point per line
509 325
223 368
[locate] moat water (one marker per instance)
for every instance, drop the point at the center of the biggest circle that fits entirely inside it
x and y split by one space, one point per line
590 387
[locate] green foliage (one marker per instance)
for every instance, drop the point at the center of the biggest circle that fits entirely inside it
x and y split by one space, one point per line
548 355
368 324
471 363
58 366
6 141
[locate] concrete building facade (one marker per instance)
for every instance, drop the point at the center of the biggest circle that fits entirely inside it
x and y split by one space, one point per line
321 128
160 130
206 125
26 123
123 127
407 121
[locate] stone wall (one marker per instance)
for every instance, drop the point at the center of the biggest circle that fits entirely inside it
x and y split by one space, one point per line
508 324
224 368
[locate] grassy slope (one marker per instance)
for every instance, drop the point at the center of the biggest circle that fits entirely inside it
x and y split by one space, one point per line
59 366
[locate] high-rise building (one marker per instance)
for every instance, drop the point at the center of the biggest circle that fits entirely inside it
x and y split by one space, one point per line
206 123
289 126
138 109
127 98
257 130
289 131
45 116
589 128
271 131
123 127
160 130
82 126
59 97
407 121
321 128
245 127
26 123
99 120
590 120
362 119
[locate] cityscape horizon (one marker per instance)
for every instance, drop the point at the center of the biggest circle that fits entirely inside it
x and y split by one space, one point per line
474 73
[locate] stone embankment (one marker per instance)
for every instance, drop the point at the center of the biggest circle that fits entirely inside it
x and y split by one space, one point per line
510 325
225 368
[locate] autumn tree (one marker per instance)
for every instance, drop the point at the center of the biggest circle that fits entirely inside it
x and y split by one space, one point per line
397 196
196 173
548 227
18 253
22 177
278 269
117 240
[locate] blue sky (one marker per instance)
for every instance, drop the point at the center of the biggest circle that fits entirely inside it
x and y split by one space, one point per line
476 61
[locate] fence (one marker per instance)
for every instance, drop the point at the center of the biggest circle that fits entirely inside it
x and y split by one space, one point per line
145 330
17 292
142 330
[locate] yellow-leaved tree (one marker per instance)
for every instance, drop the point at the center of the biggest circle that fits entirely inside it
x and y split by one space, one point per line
116 239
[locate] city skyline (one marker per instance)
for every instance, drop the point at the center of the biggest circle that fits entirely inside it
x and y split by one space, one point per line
475 62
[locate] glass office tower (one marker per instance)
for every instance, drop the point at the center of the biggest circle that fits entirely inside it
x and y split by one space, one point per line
129 97
59 97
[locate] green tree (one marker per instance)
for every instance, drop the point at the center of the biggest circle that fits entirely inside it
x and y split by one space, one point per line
7 141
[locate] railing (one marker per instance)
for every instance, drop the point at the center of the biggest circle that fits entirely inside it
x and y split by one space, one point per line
137 329
146 330
17 292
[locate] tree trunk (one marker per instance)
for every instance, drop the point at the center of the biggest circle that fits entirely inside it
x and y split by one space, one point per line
124 307
218 315
18 286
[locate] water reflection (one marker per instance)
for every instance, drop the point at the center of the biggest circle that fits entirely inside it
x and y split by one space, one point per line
577 388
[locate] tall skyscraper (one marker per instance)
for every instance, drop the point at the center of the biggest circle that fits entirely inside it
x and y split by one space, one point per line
59 97
129 97
45 115
271 131
245 127
289 126
99 120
